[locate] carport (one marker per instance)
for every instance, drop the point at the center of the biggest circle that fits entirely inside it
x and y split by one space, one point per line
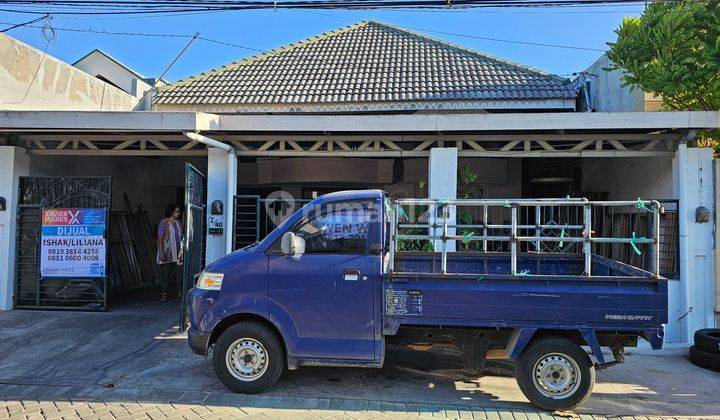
625 155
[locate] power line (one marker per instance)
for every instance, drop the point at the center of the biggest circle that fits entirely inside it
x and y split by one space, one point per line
177 57
568 9
483 38
49 35
92 7
17 25
145 34
511 41
244 47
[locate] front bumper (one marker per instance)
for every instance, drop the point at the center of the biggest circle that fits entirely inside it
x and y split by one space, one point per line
199 341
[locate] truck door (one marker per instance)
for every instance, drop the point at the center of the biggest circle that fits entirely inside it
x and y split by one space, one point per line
328 291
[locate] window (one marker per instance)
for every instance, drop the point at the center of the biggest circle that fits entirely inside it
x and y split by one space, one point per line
337 228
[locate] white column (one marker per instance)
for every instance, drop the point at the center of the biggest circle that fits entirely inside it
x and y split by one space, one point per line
695 300
442 184
14 163
717 241
217 189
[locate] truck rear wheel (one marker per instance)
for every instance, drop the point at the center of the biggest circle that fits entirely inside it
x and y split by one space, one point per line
555 374
248 358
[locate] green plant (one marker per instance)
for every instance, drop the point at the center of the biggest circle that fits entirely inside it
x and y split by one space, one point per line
466 189
673 51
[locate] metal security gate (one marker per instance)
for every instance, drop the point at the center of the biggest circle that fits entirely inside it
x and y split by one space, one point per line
255 217
194 241
31 290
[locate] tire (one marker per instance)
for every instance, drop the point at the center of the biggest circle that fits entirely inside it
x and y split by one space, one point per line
248 358
544 371
704 359
708 340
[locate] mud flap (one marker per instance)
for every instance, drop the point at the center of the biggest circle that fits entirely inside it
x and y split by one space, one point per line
474 350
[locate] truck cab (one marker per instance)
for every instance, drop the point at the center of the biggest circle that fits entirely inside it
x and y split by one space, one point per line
326 288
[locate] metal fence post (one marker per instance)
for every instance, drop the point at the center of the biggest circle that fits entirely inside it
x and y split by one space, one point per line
587 247
443 256
392 232
656 237
485 229
538 220
513 239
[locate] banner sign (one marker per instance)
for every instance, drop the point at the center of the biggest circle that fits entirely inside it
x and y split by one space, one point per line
73 243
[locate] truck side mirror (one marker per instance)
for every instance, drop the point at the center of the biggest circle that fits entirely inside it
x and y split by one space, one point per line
292 244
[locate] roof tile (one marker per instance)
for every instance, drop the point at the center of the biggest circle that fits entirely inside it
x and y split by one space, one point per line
366 62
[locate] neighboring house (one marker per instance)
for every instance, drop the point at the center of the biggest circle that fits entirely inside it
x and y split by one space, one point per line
369 66
34 80
101 65
604 90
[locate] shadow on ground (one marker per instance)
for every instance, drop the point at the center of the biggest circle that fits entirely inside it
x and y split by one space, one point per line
134 349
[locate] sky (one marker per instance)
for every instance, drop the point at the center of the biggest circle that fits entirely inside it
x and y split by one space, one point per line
586 27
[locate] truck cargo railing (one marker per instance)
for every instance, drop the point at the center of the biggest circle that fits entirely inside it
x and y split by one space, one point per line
570 227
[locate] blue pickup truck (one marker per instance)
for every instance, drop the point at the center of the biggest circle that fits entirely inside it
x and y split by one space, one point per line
333 284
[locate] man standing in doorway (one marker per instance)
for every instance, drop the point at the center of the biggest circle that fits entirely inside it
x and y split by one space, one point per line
169 249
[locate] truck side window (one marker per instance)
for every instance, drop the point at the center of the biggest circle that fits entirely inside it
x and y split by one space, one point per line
339 228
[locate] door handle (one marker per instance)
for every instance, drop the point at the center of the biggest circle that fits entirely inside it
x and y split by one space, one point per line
351 274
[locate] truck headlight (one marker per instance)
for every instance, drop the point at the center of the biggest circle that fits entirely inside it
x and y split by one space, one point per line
210 281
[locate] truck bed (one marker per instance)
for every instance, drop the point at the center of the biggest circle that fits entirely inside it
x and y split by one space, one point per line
548 292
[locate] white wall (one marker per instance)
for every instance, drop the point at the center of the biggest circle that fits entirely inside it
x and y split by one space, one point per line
607 93
629 178
217 185
442 184
14 163
96 63
32 80
695 183
496 177
717 241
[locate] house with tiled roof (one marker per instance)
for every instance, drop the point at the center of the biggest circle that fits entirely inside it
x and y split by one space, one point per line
366 106
369 66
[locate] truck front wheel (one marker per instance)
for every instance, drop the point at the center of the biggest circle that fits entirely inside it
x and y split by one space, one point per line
248 357
555 374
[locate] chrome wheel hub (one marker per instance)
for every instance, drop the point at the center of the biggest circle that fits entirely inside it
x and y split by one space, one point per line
556 375
246 359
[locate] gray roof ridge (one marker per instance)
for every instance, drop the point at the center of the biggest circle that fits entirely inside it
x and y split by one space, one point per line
263 55
482 54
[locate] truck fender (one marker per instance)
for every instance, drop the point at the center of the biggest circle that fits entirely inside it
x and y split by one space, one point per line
286 325
521 337
249 304
592 341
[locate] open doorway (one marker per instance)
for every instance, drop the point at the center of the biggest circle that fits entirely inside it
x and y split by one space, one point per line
142 188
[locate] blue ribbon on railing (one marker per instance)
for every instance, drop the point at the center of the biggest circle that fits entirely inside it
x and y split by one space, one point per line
639 204
467 236
562 234
401 213
632 243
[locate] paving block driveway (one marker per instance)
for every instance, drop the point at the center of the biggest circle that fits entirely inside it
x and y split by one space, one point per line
130 363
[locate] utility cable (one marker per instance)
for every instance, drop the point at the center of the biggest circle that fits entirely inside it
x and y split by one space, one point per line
145 34
92 7
17 25
230 44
